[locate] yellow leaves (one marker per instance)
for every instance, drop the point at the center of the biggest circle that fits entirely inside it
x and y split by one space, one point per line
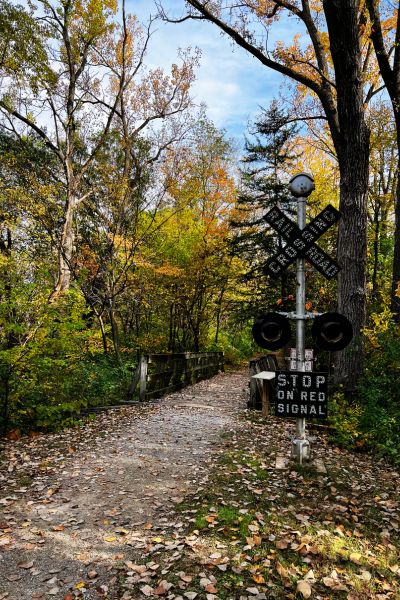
381 323
355 557
80 585
110 539
168 270
90 18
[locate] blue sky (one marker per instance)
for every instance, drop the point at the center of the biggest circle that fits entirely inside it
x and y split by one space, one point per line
232 83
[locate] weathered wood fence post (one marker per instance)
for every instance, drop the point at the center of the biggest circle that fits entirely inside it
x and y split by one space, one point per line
143 366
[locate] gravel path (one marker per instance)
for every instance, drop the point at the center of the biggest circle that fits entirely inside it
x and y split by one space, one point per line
74 505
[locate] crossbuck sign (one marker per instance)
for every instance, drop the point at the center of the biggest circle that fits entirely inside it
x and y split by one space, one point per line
301 242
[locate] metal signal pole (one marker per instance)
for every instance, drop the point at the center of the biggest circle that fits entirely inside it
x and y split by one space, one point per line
301 186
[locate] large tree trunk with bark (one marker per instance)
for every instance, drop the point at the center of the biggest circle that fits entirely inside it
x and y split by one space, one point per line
352 251
352 148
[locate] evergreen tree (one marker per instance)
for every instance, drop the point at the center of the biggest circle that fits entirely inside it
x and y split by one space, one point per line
269 153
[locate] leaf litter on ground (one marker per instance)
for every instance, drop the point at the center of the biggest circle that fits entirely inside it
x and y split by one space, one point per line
248 529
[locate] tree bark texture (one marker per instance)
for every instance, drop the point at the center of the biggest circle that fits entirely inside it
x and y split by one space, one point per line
353 156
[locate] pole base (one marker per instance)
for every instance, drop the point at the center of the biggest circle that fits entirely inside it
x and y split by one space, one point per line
301 450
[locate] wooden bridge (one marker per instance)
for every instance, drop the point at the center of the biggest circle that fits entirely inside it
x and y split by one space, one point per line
161 374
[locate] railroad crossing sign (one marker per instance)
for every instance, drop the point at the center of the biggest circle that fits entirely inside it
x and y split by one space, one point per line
301 242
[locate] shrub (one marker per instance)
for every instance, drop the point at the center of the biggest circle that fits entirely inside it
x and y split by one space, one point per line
371 420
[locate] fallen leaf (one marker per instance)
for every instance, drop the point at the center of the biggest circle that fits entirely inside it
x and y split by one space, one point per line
211 518
92 574
162 588
329 582
146 590
281 570
25 565
355 558
304 588
5 541
309 576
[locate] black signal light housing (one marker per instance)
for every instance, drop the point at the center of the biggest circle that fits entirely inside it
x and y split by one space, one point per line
332 331
272 331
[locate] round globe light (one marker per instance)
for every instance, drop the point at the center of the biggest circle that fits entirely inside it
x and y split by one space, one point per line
301 185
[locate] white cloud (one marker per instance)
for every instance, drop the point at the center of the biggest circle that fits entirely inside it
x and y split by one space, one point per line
232 83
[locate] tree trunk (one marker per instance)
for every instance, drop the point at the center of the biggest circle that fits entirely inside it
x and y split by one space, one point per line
395 299
171 341
103 332
352 147
65 252
219 312
390 73
374 280
352 252
115 334
5 408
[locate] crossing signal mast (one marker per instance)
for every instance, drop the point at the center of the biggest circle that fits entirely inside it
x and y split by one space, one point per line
304 394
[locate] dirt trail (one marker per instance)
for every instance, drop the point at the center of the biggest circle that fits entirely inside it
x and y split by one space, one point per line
74 504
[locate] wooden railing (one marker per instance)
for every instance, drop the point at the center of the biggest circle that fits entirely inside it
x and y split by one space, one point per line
160 374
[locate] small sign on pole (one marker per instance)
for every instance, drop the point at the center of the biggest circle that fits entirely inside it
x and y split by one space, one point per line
294 360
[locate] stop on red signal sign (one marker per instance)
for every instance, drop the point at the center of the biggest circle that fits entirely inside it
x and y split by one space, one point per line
301 395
